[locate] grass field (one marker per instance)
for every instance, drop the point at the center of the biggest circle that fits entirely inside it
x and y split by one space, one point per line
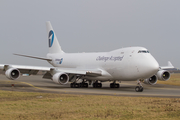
174 80
45 106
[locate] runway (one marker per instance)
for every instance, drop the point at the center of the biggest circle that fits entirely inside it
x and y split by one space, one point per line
37 84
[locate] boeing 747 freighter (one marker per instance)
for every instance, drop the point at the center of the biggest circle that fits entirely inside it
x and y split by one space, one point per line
125 64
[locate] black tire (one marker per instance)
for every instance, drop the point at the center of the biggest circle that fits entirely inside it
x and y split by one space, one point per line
94 85
111 85
141 89
80 85
137 88
77 85
72 85
86 85
116 85
100 86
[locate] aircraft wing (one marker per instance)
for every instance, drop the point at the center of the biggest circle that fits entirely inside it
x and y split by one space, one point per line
48 71
73 71
169 66
31 70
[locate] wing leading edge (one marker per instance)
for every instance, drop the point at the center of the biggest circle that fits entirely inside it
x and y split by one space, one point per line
50 71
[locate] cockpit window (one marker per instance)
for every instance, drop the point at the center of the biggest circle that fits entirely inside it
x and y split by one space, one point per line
143 51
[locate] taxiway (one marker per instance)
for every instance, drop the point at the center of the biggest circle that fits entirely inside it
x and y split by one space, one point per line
37 84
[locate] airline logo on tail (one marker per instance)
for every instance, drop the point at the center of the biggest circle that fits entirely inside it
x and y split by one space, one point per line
51 38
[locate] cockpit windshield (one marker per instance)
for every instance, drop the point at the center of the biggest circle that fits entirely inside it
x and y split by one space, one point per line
143 51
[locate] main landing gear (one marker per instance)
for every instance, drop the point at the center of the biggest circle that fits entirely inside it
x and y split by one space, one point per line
139 88
114 85
97 85
79 85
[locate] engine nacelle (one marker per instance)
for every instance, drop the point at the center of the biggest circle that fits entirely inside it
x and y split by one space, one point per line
151 81
60 78
163 75
12 73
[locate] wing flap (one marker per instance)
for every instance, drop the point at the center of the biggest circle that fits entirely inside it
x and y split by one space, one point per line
29 71
88 72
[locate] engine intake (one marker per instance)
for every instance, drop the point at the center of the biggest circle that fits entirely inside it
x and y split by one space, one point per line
151 81
163 75
60 78
12 73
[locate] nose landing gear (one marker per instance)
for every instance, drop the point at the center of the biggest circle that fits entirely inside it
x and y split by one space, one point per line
139 88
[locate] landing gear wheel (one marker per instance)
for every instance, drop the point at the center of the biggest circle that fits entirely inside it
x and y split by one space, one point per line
101 85
138 88
86 85
141 89
113 85
116 85
94 85
80 85
97 85
72 85
77 85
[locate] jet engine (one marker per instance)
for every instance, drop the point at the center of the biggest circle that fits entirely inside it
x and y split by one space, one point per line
151 81
163 75
60 78
12 73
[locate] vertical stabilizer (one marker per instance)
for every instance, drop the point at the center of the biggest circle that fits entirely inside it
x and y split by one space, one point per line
54 46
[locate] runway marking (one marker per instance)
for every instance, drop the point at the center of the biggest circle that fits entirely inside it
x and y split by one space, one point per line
34 86
16 82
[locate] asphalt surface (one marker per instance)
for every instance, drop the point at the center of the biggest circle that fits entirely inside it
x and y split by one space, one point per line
37 84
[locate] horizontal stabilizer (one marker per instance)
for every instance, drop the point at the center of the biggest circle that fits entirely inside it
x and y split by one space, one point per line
34 57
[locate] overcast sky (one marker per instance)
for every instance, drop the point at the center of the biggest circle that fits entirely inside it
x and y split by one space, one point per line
89 26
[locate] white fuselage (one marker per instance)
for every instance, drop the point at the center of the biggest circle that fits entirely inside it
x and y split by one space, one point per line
128 64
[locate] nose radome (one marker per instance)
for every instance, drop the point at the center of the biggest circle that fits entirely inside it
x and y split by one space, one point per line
154 66
148 66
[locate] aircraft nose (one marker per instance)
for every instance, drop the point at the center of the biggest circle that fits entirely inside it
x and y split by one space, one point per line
153 65
149 66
